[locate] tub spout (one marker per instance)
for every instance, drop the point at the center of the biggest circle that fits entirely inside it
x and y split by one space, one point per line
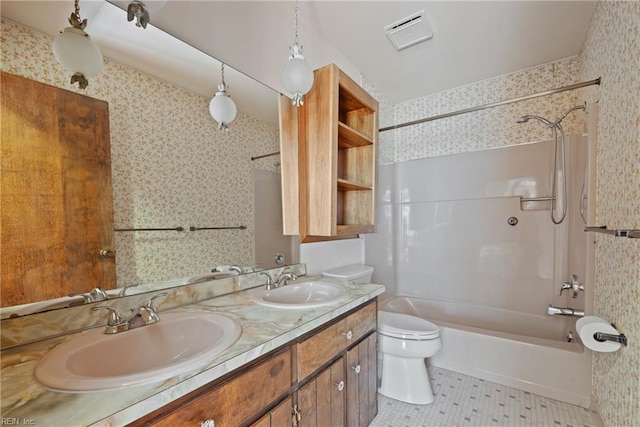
564 311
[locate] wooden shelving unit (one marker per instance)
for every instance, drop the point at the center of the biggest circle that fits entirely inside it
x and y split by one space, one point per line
328 149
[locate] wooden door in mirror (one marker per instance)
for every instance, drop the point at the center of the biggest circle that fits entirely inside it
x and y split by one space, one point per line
56 193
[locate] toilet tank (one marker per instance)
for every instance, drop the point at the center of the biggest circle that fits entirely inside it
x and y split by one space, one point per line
357 274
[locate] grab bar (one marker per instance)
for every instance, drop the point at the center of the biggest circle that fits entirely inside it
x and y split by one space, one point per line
632 234
535 199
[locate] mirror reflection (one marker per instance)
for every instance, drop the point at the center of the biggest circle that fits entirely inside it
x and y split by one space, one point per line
171 168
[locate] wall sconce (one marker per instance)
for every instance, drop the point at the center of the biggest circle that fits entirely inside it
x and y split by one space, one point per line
297 75
222 108
75 51
141 11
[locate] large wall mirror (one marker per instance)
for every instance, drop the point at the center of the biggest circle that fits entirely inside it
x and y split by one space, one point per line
171 166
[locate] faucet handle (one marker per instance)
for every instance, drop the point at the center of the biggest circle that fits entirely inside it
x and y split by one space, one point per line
151 304
123 291
98 294
269 278
574 285
115 322
563 287
94 295
114 315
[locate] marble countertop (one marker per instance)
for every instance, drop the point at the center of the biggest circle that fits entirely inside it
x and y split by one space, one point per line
264 329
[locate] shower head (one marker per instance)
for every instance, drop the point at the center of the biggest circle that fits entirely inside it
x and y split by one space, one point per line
525 119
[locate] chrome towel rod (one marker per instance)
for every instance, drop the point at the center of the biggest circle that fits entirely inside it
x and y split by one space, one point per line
632 234
239 227
494 104
192 228
277 153
150 229
535 199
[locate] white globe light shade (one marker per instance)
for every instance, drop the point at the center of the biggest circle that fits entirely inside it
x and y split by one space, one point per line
222 108
77 53
297 75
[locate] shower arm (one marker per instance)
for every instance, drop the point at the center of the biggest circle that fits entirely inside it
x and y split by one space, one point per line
582 107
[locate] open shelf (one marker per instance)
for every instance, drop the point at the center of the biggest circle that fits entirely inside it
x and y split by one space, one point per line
351 138
329 159
345 185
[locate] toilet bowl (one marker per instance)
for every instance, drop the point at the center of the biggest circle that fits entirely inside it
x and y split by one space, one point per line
404 342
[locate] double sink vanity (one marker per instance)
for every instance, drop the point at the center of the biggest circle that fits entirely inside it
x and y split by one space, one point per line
229 352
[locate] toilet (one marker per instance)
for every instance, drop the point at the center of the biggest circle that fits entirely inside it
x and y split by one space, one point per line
404 342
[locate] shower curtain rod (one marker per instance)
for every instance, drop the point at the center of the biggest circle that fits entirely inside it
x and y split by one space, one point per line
493 104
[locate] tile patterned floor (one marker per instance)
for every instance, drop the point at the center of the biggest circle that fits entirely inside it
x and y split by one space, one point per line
461 400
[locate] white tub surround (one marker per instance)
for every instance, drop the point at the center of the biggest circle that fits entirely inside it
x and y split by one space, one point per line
520 350
469 231
263 329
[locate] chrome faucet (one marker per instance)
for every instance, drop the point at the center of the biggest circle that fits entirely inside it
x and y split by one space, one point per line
237 268
141 316
123 291
564 311
280 281
573 285
269 283
284 277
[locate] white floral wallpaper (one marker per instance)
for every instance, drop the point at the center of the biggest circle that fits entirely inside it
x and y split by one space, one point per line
171 166
612 51
493 127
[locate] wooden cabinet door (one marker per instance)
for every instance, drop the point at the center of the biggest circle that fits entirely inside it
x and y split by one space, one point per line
362 405
237 402
322 400
280 416
334 340
57 207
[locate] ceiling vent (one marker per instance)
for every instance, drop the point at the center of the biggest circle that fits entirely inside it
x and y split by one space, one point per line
409 31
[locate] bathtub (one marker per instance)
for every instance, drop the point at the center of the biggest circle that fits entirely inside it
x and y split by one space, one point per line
520 350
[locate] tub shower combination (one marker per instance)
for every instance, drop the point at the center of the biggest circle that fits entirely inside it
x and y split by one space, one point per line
472 249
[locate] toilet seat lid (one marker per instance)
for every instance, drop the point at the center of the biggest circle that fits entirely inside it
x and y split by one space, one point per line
400 325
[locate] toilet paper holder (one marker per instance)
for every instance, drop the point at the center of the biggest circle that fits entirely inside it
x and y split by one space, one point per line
602 337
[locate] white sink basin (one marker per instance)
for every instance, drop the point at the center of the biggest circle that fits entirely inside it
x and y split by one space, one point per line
95 361
300 295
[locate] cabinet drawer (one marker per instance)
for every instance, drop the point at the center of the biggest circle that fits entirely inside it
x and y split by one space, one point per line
241 399
319 349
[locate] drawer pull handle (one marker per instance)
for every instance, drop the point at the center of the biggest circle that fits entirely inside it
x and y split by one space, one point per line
208 423
356 368
348 334
340 385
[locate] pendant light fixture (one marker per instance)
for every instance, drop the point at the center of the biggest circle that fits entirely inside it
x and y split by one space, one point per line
222 108
297 75
75 51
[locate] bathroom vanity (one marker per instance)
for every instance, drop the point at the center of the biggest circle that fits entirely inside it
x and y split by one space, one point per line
289 367
327 374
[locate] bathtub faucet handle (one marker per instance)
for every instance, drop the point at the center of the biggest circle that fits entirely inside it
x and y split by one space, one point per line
573 285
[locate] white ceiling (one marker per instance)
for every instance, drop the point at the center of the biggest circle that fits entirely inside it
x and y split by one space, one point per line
472 41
